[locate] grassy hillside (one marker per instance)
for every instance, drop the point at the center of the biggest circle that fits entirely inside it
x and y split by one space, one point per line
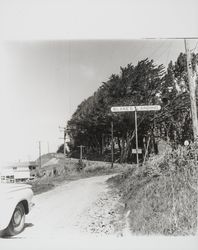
46 157
162 194
58 169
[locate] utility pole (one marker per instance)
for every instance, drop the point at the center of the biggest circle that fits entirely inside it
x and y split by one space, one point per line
102 143
48 148
192 88
64 151
112 145
136 137
64 130
81 152
40 161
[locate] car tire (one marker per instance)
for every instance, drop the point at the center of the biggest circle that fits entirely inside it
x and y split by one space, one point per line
17 221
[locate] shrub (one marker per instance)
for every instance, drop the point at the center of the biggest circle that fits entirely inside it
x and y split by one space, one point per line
94 168
162 194
80 165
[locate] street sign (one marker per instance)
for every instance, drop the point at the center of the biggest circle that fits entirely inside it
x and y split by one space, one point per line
137 108
123 109
148 108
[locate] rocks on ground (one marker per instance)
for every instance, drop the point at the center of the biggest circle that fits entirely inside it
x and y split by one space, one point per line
103 217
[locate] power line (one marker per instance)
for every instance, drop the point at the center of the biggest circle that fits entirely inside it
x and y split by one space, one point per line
166 51
156 50
193 50
138 52
40 160
170 48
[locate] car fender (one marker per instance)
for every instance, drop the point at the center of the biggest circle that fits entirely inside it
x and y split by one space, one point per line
10 202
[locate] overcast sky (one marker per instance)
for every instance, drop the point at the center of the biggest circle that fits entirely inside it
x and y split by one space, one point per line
45 81
43 77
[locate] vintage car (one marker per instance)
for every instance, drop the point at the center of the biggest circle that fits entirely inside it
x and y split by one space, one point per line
15 203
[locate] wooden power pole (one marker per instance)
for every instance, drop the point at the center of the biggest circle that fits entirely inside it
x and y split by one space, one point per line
40 160
136 137
64 130
112 145
192 88
81 152
64 141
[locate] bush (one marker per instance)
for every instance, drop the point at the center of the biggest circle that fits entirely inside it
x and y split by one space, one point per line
91 169
80 165
96 167
162 194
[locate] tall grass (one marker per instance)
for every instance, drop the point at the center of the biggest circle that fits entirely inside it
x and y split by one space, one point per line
162 194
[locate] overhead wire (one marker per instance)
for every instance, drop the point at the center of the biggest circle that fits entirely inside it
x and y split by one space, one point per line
168 54
156 49
138 52
193 50
69 73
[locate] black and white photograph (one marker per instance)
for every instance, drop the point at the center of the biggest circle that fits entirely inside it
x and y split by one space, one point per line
99 134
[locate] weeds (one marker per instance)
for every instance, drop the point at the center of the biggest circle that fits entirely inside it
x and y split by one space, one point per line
162 194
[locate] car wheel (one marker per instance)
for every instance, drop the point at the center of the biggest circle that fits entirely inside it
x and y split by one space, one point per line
17 222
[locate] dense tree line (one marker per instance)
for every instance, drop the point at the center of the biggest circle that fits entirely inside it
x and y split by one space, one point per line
143 84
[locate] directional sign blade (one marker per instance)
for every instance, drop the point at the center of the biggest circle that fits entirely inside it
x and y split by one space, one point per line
137 108
123 109
148 108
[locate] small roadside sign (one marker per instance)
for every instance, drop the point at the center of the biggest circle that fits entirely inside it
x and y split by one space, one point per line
134 151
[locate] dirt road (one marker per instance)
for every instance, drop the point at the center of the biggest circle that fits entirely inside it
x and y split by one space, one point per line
77 207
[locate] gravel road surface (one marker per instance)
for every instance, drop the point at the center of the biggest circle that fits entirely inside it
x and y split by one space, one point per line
85 206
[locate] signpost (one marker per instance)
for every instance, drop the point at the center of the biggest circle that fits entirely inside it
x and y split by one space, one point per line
135 109
112 145
136 136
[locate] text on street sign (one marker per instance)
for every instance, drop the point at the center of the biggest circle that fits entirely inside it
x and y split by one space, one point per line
137 108
123 109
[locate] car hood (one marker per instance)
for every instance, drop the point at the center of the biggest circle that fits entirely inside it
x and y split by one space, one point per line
10 187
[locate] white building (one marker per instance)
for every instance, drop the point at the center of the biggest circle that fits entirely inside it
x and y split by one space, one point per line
7 175
19 172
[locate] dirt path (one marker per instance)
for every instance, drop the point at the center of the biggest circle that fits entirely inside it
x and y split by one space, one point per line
78 207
